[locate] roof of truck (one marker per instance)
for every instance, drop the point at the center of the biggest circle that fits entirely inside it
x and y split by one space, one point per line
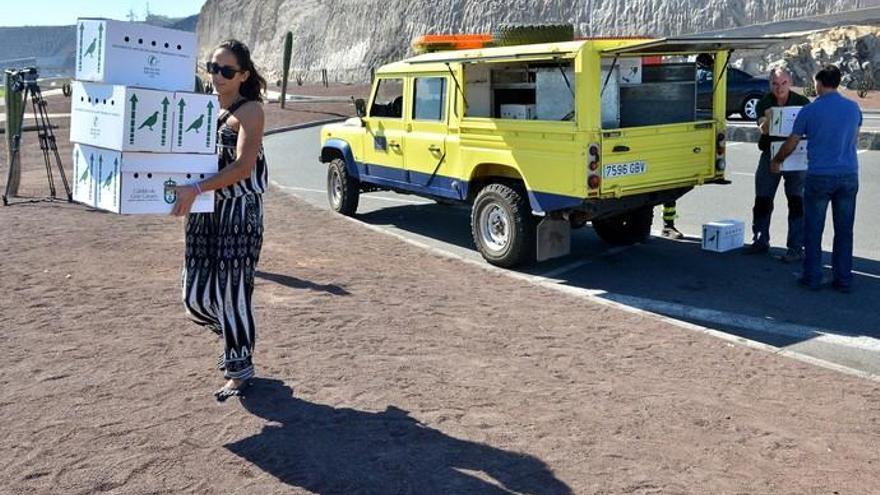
634 46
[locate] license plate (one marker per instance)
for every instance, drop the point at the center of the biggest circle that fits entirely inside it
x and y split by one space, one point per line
613 170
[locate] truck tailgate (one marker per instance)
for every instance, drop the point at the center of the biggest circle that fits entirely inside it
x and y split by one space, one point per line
642 159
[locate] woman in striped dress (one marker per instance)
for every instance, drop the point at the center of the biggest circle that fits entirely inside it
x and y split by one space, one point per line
223 247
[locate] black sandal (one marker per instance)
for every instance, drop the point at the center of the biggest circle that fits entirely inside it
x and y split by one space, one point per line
227 391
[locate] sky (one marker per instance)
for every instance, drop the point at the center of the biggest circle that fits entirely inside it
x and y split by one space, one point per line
64 12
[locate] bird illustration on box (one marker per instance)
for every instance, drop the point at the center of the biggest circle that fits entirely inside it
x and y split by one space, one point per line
197 124
151 121
91 49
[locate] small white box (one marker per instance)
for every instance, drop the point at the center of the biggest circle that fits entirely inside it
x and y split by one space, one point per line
782 120
121 118
140 183
723 235
195 118
135 54
796 161
518 112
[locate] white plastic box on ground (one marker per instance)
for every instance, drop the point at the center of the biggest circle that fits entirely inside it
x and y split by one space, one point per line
126 118
135 54
782 120
723 235
138 183
796 161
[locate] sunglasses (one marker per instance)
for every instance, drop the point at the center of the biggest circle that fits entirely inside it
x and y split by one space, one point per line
224 70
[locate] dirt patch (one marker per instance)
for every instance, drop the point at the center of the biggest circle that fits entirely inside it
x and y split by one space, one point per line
384 370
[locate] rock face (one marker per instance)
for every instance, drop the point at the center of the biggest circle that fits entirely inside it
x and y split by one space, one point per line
855 49
349 37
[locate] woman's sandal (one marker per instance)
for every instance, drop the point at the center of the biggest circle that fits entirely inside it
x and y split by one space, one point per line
227 391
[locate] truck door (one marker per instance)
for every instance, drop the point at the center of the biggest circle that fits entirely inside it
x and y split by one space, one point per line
386 133
426 141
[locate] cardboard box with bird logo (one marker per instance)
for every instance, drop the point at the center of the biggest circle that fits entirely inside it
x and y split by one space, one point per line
195 121
132 183
126 118
121 118
135 54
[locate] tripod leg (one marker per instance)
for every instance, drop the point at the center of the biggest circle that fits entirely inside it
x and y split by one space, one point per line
39 112
53 146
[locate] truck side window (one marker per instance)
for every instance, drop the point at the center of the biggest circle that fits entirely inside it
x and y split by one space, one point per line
429 96
388 101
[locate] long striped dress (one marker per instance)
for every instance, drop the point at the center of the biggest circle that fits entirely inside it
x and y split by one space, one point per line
222 251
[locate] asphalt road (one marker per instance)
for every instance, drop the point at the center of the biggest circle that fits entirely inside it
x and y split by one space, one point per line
751 297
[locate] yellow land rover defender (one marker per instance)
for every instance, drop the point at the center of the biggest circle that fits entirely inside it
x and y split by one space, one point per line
541 138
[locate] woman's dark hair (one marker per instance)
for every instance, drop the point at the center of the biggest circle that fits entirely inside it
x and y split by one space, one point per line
829 76
255 85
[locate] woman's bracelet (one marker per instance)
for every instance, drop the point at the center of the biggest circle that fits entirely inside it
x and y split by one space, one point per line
198 188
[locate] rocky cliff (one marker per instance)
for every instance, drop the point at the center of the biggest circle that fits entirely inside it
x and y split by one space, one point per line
348 37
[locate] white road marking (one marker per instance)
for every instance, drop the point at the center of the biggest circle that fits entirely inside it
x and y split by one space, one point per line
363 196
742 173
565 269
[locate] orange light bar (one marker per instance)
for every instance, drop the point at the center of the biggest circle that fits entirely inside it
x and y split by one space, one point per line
437 42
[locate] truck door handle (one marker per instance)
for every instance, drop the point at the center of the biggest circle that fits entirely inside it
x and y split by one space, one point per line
620 148
434 148
394 144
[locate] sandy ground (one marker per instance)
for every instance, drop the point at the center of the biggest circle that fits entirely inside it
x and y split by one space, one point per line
384 370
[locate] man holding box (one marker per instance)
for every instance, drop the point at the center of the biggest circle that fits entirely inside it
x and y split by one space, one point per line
766 183
831 125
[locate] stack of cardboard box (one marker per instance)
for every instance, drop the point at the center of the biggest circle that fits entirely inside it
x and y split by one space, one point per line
781 124
137 127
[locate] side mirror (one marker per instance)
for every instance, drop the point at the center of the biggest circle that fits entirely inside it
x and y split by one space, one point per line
360 107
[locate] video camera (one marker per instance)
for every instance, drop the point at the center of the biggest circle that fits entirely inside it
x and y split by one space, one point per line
22 78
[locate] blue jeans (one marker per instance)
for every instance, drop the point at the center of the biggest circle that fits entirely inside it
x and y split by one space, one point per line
840 191
766 184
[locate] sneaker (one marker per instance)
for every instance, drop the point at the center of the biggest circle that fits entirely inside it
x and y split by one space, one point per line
792 255
756 249
672 233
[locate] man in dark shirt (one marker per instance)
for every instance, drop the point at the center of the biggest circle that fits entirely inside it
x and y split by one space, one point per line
831 126
766 183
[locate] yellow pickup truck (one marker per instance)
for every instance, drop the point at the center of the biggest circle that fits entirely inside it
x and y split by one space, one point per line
540 138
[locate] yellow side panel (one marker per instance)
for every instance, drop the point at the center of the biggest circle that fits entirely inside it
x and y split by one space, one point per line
547 155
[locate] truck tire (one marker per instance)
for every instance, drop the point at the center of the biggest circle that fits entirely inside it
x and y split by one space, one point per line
503 226
343 190
626 229
510 35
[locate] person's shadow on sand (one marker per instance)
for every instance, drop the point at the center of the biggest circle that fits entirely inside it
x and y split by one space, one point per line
344 451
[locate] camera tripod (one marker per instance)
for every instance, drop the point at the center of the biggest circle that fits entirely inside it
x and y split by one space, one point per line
26 81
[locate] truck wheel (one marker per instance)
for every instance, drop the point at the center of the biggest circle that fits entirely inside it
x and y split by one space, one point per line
342 188
627 228
509 35
503 226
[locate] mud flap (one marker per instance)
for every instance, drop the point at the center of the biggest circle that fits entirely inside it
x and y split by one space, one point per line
553 238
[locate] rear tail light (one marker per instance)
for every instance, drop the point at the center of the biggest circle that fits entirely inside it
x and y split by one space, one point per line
594 164
720 150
